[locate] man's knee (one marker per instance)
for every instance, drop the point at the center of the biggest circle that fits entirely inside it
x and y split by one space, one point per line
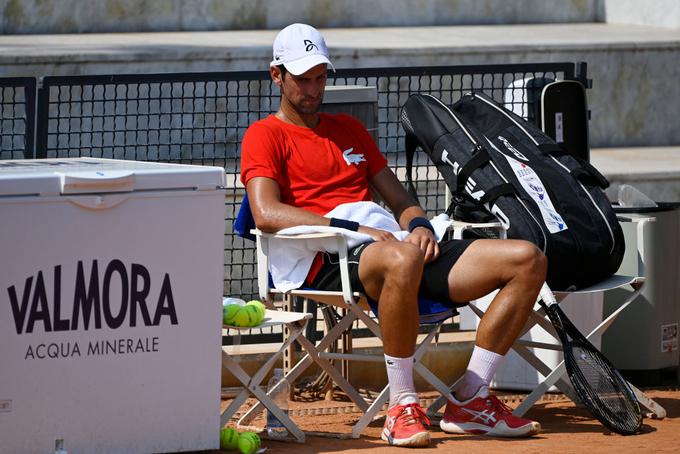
404 259
391 265
394 260
529 262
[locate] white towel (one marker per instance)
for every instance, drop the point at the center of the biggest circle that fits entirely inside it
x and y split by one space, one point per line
290 261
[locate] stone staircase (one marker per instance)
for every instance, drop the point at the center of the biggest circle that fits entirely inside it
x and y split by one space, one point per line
634 68
106 16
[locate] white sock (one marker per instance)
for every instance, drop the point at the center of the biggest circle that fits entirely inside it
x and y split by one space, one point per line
400 378
481 369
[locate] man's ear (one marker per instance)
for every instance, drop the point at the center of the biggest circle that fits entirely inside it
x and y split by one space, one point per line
276 75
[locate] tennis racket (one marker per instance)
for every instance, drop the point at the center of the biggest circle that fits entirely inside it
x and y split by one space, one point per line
598 384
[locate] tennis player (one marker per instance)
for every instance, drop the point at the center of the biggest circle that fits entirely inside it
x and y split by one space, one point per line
298 164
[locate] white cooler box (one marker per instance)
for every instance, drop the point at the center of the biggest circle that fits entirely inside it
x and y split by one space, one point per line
111 278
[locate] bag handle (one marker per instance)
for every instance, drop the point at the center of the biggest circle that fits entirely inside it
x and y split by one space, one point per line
411 143
587 173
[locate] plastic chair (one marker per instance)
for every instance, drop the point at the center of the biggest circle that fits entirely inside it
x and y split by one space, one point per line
355 307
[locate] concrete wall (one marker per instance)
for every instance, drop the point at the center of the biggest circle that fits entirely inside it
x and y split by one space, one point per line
657 13
634 100
77 16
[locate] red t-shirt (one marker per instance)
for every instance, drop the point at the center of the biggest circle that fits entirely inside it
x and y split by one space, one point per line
316 168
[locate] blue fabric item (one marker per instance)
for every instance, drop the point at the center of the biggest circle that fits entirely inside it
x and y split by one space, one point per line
430 311
345 224
420 222
244 222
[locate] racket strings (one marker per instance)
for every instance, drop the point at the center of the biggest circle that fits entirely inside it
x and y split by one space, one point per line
602 385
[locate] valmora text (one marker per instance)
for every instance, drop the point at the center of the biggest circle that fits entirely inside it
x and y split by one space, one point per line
92 303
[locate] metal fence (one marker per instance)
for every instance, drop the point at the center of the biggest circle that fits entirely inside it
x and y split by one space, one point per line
200 118
17 117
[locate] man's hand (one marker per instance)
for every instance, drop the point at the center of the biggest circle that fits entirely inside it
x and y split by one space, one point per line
377 234
425 240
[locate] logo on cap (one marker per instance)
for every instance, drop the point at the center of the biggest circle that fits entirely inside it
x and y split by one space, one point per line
310 45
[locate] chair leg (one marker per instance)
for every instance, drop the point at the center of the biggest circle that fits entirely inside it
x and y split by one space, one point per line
252 387
290 350
370 412
656 411
440 401
541 389
312 356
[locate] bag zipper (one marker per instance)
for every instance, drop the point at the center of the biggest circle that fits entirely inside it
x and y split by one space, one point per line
609 228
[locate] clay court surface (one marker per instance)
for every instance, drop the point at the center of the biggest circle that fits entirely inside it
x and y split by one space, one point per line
566 429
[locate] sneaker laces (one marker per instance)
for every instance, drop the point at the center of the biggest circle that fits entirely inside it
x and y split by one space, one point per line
412 414
496 403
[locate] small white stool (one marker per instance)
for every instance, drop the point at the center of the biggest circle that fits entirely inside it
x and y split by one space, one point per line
295 322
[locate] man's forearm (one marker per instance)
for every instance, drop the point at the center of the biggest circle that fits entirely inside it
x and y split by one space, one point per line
410 213
281 216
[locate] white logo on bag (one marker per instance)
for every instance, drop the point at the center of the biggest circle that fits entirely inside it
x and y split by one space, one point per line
352 158
512 149
454 164
469 184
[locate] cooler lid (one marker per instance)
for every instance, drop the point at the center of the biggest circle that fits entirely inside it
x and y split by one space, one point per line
96 175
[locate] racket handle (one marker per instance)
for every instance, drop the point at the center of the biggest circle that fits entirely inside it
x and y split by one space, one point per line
547 295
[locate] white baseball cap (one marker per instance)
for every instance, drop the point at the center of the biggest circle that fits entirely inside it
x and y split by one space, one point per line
300 47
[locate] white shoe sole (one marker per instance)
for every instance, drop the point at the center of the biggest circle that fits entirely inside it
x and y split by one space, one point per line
500 430
420 440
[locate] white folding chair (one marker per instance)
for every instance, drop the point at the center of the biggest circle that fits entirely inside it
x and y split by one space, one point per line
557 376
356 308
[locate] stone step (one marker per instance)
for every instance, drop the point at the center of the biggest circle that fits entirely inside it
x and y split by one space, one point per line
634 68
104 16
653 170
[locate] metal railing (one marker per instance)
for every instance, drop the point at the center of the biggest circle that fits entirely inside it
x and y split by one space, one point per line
200 118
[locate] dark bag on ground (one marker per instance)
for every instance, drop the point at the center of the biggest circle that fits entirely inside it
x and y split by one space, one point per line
500 167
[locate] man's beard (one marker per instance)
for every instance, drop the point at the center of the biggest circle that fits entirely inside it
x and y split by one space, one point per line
309 109
302 109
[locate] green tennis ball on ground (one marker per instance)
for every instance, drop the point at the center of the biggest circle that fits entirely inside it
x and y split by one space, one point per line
228 438
229 312
246 444
254 437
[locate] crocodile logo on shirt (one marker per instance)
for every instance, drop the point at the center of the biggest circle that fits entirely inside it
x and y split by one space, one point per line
352 158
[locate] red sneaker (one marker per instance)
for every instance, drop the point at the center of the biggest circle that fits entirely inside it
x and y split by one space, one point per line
486 416
404 426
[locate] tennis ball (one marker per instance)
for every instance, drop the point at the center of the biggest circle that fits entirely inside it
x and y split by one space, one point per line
258 314
255 439
229 312
246 444
247 316
228 438
258 305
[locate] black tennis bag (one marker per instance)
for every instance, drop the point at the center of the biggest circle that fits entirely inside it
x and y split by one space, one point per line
497 165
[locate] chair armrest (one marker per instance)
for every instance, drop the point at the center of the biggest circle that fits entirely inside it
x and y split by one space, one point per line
299 236
639 219
262 246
